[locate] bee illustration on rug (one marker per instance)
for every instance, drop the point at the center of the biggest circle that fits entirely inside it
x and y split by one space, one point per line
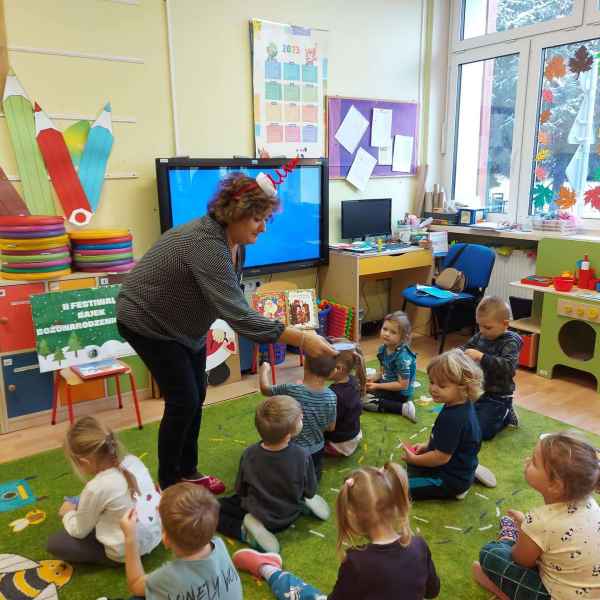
24 579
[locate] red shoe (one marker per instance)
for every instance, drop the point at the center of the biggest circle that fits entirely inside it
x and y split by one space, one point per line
251 560
212 484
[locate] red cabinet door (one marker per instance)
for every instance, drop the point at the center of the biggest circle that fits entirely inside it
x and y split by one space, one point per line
16 326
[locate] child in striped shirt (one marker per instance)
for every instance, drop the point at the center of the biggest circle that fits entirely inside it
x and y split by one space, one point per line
318 403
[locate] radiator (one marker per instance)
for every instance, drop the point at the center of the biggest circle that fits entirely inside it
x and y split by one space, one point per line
511 268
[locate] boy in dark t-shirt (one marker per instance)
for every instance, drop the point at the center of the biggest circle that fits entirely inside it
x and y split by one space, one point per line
276 480
496 350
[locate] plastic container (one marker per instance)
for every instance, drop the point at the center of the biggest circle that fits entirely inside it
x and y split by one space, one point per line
563 284
323 320
279 353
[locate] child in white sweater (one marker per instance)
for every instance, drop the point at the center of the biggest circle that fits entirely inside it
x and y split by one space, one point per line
92 533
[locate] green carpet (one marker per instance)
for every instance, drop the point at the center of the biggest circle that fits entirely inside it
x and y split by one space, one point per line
228 428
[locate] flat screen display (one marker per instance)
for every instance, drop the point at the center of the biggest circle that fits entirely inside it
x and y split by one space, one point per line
297 232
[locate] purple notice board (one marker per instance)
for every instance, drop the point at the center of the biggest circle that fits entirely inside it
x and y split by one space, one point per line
405 117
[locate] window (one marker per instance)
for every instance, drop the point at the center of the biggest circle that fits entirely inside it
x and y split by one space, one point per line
484 133
477 23
523 132
481 17
566 163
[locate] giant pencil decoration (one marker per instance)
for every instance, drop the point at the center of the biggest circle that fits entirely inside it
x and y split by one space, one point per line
60 167
10 201
19 117
95 156
75 137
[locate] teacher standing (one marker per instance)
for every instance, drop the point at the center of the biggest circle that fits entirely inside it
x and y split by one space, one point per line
167 303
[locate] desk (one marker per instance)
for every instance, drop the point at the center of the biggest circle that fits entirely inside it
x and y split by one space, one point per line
340 279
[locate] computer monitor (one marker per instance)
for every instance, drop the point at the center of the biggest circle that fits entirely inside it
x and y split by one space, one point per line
362 218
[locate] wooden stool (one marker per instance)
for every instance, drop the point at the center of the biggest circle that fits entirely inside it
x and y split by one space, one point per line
71 378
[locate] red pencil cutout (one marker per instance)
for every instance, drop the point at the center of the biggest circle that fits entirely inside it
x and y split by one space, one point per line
60 168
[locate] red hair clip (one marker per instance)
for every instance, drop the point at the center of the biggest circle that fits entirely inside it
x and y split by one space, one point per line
267 183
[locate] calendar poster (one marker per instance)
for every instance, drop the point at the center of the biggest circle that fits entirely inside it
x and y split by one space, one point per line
289 76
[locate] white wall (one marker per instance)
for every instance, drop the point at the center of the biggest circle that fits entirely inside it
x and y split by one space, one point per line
373 53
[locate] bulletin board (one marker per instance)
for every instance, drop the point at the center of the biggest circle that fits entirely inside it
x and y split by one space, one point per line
405 116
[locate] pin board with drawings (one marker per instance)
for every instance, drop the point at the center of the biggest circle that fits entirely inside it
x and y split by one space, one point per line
405 116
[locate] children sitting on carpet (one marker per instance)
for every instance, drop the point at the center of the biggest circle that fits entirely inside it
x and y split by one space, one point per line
393 390
91 522
349 390
373 504
445 466
497 350
318 403
274 479
552 551
201 568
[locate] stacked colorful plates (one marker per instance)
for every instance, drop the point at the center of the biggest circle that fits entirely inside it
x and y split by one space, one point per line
33 247
100 250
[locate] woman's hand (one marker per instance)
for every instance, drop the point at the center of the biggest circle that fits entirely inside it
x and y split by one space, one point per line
316 346
65 508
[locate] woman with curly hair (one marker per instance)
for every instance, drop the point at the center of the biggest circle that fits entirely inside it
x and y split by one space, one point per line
167 303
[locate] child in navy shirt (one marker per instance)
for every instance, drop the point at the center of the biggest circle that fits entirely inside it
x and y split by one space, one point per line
393 391
349 390
445 466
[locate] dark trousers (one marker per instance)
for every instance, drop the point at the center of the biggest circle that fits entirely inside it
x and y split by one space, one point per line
181 376
491 413
317 458
426 484
231 518
390 402
73 550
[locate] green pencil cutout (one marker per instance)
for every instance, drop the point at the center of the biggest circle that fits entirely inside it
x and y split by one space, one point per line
19 117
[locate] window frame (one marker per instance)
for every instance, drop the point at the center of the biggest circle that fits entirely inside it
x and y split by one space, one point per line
580 8
591 14
558 38
522 48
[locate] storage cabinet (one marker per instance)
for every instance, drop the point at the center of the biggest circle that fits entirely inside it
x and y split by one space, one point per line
26 389
16 327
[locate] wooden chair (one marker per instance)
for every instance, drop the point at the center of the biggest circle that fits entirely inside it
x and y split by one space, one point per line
69 378
273 286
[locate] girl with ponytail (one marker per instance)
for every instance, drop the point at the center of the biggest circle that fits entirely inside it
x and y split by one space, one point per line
116 484
373 504
349 386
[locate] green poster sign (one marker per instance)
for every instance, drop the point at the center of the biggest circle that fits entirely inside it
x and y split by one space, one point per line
77 327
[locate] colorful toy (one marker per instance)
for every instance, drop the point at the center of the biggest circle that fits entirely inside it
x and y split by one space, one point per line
22 578
16 494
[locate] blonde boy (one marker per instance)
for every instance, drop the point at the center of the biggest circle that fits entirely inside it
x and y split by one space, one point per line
201 568
497 350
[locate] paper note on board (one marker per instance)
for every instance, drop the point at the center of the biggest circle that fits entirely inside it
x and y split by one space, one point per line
386 153
381 127
403 149
351 130
361 169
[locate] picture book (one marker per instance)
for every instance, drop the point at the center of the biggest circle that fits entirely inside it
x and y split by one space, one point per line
100 368
272 305
302 309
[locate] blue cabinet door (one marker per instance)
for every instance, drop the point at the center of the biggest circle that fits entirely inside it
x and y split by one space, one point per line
26 389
